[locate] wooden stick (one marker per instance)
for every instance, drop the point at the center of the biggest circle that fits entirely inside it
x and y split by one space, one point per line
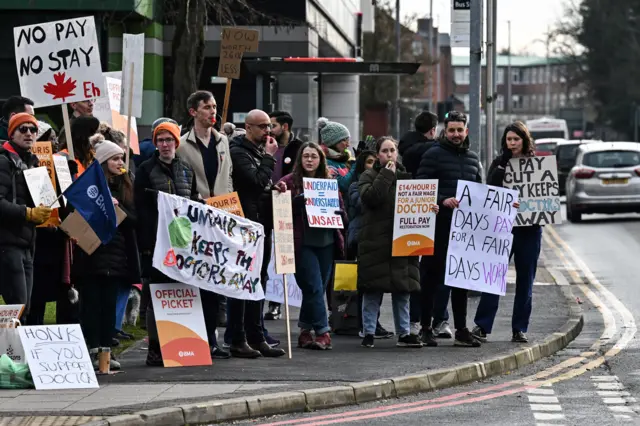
227 95
67 131
286 312
129 115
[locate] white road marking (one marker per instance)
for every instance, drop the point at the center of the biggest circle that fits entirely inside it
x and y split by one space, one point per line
548 416
604 378
614 400
540 391
536 399
610 386
546 407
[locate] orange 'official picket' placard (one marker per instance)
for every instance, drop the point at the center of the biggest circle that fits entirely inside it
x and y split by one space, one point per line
228 202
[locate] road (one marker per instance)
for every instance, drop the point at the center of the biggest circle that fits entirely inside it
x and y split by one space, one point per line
594 381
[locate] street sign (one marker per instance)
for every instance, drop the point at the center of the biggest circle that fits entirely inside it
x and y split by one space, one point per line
461 23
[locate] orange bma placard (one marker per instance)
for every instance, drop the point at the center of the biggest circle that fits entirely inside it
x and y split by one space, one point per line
228 202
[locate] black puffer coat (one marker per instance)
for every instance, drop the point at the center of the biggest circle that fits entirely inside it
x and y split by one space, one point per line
412 146
378 271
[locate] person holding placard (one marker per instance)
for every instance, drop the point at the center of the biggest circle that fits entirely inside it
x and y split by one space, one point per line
378 271
11 107
516 142
100 276
449 161
19 215
316 249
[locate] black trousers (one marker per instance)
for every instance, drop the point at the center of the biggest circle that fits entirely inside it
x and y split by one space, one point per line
98 297
16 277
245 316
210 305
432 273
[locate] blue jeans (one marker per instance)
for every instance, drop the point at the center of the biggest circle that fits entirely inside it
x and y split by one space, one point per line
121 304
371 308
525 253
313 270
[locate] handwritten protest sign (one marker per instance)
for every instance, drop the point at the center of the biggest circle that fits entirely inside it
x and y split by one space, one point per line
235 41
58 357
414 221
40 187
181 329
536 180
59 62
283 233
275 285
227 202
44 152
108 109
322 202
208 248
480 238
132 60
63 173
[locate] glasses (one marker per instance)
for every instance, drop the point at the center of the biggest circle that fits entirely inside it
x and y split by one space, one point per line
25 129
167 141
262 126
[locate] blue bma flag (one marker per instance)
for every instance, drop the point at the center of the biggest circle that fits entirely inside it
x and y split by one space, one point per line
90 196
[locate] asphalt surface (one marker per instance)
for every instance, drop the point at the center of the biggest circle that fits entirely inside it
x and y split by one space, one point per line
605 395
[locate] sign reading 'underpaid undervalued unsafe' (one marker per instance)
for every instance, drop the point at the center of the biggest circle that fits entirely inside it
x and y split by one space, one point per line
322 202
209 248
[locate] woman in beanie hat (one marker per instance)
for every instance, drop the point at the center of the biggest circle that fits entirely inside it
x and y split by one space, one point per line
112 266
335 140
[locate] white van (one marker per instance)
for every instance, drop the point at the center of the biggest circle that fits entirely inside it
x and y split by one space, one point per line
547 128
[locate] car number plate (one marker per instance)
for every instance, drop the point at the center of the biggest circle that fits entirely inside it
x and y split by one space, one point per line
617 181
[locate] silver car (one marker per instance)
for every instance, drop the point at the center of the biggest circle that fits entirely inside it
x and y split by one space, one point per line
605 179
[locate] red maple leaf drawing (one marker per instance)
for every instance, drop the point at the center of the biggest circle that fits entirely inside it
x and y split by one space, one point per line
61 89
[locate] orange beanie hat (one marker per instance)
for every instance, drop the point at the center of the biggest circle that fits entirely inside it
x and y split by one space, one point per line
167 127
19 119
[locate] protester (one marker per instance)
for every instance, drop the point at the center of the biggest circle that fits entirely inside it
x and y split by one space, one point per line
253 165
286 155
113 266
119 138
315 249
416 142
18 212
228 128
378 271
525 248
13 105
207 152
164 172
335 139
81 130
449 161
79 109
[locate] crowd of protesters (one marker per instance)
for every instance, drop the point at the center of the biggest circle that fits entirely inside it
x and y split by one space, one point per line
197 161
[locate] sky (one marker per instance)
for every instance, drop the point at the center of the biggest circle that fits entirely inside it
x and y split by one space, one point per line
530 20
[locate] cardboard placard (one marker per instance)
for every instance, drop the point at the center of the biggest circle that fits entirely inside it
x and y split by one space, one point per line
235 41
132 54
285 261
108 109
230 203
44 152
40 187
76 227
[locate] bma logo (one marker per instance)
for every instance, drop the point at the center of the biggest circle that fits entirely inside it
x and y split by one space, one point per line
93 192
183 354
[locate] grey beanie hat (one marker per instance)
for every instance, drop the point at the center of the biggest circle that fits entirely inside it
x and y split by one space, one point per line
331 133
161 120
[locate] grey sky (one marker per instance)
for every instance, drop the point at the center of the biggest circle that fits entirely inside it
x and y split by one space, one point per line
529 20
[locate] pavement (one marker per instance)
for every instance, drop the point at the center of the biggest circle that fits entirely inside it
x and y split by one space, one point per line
236 389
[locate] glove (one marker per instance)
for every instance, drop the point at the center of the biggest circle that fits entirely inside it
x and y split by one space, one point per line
38 215
506 156
73 167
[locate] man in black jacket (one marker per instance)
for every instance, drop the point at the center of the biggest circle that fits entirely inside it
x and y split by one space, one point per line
415 143
18 212
253 165
449 161
288 146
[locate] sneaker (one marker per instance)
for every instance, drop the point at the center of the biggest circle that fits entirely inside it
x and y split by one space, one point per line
479 334
519 337
218 353
305 340
226 345
115 342
382 333
274 312
428 338
442 330
121 335
415 328
409 341
114 364
274 343
465 339
367 342
323 342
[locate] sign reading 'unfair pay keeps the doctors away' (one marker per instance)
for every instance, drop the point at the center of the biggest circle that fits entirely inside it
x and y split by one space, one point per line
59 62
414 221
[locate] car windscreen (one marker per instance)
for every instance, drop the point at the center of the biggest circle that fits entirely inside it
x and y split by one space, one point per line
547 147
612 159
547 134
566 154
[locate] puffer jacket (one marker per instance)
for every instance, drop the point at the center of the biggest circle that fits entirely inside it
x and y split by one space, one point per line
378 271
354 211
15 230
411 147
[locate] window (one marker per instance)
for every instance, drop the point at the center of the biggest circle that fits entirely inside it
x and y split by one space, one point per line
465 101
554 74
461 75
611 159
516 101
534 75
526 76
562 71
526 103
563 99
534 102
417 48
500 103
500 76
515 76
554 100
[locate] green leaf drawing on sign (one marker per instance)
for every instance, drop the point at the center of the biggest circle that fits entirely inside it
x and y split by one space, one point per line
180 232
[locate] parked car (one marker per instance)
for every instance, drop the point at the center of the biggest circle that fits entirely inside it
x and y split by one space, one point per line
605 179
547 146
566 154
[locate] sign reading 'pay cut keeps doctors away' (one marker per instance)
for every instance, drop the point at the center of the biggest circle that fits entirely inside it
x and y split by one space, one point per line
59 62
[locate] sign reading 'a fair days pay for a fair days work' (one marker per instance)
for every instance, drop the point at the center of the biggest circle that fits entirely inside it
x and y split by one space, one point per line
414 221
59 62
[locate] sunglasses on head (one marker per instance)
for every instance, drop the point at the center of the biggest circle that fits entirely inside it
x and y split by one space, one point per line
25 129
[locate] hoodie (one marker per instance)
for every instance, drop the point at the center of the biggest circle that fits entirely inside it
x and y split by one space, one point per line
412 145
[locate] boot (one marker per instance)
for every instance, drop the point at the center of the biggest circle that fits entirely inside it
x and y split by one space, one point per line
244 351
267 351
154 355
